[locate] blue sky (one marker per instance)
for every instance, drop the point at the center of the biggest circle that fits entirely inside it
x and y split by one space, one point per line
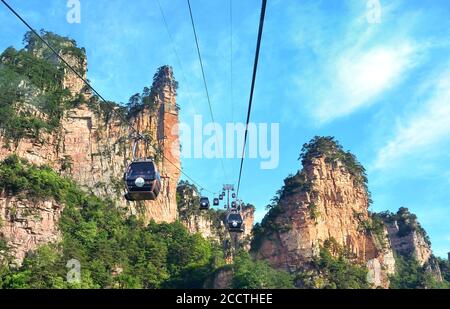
383 90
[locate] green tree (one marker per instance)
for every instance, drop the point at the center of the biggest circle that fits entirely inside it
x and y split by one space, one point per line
250 274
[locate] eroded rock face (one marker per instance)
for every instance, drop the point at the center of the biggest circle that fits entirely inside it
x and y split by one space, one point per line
94 150
93 147
333 207
26 224
411 244
205 226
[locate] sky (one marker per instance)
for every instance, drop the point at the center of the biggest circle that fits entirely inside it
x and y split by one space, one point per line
377 80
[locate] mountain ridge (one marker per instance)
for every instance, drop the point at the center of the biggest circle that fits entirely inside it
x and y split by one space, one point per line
62 155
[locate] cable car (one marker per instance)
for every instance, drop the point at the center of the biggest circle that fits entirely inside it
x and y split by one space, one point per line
233 204
204 203
216 202
233 195
142 181
235 222
221 197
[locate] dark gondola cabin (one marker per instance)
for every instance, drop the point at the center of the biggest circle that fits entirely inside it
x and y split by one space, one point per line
142 181
235 222
204 203
221 197
216 202
233 204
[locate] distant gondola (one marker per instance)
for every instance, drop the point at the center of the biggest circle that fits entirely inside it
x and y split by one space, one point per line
216 202
204 203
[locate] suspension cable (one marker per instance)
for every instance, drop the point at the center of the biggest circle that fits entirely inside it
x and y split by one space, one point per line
93 89
231 61
204 81
255 68
175 51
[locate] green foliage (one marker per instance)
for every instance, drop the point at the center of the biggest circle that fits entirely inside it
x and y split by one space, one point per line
115 251
147 99
63 45
444 266
334 269
66 163
250 274
270 223
29 83
19 178
410 275
16 122
373 226
407 223
333 152
314 213
295 184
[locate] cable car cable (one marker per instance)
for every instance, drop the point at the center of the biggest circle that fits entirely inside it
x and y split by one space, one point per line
231 69
91 87
175 51
255 68
204 79
231 61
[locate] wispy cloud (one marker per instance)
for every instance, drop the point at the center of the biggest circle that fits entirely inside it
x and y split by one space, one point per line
423 129
359 77
338 77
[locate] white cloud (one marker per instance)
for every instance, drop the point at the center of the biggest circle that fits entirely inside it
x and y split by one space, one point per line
425 128
360 76
346 64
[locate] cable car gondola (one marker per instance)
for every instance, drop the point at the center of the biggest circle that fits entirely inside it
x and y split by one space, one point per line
221 197
204 203
235 222
233 204
142 179
216 202
233 195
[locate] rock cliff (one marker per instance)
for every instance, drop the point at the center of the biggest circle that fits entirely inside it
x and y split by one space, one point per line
89 143
92 145
27 225
406 235
409 240
327 199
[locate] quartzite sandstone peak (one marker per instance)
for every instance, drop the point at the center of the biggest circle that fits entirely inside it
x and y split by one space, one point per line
324 201
93 146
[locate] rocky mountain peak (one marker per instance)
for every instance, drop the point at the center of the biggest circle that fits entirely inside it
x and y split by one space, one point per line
80 137
326 200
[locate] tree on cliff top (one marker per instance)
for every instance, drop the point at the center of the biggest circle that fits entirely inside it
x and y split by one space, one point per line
333 152
63 45
31 79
